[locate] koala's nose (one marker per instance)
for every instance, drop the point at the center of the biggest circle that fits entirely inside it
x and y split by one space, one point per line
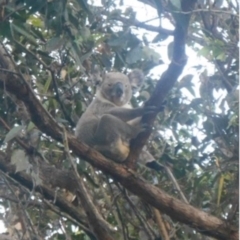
119 88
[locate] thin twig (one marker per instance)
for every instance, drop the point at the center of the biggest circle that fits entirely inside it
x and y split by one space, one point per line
144 223
60 101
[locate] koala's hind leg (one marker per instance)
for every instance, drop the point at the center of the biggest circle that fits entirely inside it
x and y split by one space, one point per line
112 137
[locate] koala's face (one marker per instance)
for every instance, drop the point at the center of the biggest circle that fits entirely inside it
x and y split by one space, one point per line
116 88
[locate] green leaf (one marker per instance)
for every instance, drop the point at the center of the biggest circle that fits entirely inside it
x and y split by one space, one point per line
76 53
134 55
53 104
35 21
5 30
14 132
83 4
47 84
54 44
78 107
160 37
140 52
116 41
150 54
85 33
28 35
205 52
186 82
176 4
30 126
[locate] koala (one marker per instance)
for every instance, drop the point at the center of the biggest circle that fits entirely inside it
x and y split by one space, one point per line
106 124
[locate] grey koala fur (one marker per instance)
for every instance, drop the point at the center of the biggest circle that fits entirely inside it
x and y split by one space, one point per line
109 123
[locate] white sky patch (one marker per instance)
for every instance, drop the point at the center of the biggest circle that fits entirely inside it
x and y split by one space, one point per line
2 225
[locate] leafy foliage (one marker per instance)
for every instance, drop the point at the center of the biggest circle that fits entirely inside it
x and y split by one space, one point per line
57 47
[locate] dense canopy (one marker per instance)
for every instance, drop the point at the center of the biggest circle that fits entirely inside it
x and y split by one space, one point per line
52 54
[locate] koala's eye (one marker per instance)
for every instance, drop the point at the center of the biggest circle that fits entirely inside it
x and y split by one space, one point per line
109 84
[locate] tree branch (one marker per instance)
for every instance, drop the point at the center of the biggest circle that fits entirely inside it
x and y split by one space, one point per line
50 176
136 23
167 80
100 227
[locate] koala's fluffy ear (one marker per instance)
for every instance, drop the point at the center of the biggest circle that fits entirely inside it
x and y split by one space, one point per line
97 75
136 78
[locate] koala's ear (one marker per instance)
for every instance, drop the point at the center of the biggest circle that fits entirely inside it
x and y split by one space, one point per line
136 78
97 75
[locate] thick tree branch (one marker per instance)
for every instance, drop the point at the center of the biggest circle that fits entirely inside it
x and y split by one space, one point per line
167 80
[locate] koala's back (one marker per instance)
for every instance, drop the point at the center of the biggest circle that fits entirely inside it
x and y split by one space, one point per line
89 120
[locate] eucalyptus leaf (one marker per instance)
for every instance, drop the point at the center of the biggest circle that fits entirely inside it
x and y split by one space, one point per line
14 132
134 55
26 33
54 44
176 4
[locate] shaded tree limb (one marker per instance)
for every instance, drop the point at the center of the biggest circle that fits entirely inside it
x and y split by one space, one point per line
100 227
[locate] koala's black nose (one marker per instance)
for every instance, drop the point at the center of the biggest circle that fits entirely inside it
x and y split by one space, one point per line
119 88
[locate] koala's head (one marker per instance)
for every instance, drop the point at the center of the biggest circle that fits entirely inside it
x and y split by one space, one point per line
116 88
